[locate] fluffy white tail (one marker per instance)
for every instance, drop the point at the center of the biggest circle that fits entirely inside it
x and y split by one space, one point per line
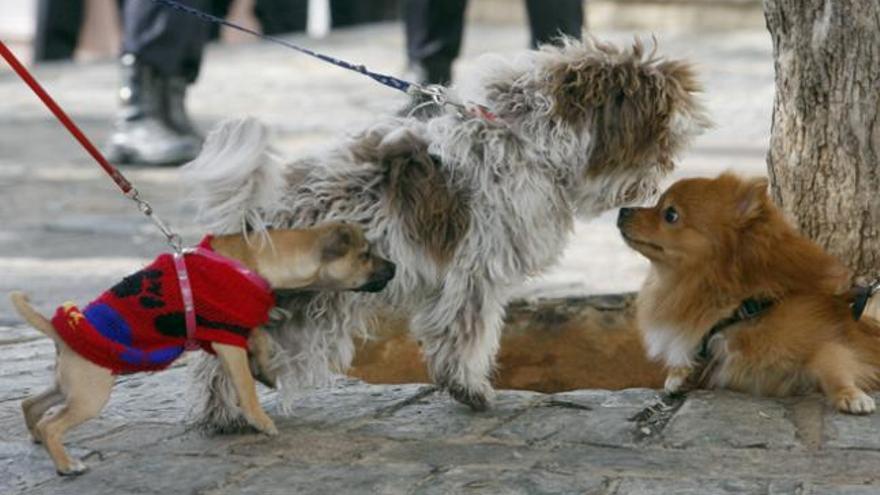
236 177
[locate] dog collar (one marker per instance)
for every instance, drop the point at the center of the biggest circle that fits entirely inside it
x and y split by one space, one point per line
748 310
861 295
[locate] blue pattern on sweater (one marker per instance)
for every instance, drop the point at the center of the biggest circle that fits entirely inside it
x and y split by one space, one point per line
108 323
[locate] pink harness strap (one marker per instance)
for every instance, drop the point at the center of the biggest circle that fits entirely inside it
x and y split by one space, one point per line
186 291
189 307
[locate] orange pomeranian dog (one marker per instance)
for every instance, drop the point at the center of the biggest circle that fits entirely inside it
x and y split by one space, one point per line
736 298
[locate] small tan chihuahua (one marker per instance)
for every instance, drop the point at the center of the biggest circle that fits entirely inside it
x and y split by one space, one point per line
141 324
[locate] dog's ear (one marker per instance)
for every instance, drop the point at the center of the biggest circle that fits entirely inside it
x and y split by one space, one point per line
337 242
752 199
600 76
632 103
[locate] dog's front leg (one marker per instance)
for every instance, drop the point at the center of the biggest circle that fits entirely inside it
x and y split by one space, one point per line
235 363
460 342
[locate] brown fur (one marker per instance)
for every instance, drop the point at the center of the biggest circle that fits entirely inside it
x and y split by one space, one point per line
730 243
434 214
547 349
630 96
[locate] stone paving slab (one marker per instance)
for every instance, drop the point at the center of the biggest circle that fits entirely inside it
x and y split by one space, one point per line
710 419
361 438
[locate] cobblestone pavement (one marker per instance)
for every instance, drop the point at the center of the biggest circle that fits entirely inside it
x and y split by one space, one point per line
66 234
358 438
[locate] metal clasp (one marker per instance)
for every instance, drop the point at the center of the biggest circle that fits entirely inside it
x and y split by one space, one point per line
173 239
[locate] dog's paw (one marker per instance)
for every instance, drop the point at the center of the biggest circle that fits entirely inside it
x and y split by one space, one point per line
477 401
855 402
674 384
270 430
75 468
677 381
264 424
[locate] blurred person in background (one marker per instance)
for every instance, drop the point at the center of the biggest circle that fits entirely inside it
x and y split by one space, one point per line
58 29
434 30
161 56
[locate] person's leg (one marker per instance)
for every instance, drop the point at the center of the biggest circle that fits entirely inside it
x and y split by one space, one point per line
162 51
166 39
433 37
282 16
548 19
219 8
58 26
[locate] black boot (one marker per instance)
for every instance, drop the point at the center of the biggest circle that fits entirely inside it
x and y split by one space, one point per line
142 135
174 107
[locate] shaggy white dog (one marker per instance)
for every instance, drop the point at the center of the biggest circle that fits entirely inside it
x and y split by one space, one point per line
466 207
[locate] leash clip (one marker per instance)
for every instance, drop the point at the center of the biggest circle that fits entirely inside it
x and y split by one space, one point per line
440 97
174 240
436 92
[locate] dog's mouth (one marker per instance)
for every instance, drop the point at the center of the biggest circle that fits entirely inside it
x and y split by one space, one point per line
374 285
379 278
638 245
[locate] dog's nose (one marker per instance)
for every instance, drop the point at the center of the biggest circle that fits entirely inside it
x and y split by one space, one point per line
623 215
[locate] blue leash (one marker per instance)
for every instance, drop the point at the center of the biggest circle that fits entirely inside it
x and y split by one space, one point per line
390 81
435 92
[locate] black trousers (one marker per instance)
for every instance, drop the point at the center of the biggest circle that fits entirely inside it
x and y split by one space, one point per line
434 28
170 41
166 39
58 24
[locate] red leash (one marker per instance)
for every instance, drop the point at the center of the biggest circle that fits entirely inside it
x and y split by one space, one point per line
173 239
66 121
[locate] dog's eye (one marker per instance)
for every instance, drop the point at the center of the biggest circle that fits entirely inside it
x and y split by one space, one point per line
670 215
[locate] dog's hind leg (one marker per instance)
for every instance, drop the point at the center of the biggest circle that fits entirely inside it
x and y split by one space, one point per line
459 336
34 407
86 388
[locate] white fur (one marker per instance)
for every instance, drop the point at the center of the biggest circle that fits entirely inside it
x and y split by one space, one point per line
525 181
236 174
861 403
674 383
665 343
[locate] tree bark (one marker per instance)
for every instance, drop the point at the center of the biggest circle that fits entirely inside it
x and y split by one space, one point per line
824 158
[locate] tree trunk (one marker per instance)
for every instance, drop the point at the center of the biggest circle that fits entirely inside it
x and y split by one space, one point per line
824 159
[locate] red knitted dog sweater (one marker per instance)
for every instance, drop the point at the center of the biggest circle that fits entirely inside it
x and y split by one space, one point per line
139 324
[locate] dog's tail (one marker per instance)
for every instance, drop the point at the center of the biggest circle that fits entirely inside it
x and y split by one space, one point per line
236 178
22 305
